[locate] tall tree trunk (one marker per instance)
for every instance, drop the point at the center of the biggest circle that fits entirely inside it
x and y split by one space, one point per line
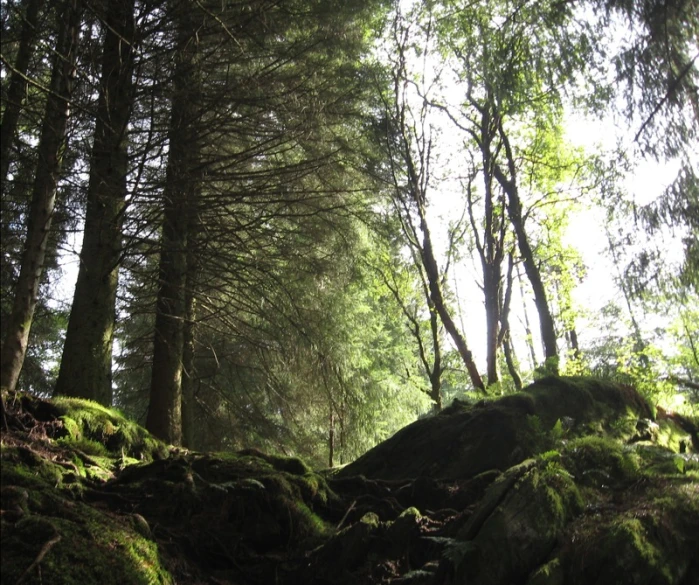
189 433
435 374
50 155
331 437
433 279
492 282
86 365
527 324
188 362
164 418
18 85
504 337
491 250
514 208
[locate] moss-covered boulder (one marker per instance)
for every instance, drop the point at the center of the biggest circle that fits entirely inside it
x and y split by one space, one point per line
53 454
90 497
571 481
517 525
465 440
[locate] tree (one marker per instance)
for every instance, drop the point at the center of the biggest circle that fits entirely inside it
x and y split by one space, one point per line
18 83
408 146
86 365
269 141
50 155
411 293
180 192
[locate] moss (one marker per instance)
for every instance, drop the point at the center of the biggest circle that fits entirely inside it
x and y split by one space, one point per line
314 488
92 549
551 573
634 550
672 436
25 468
288 464
657 461
599 462
245 462
521 531
87 446
587 400
297 522
89 423
83 545
371 519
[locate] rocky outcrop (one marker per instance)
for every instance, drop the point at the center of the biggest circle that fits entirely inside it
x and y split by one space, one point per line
572 481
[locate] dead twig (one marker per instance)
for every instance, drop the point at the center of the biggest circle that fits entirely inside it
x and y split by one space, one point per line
40 557
346 514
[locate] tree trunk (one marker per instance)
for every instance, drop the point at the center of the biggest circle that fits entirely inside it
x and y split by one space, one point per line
164 418
433 368
527 325
514 208
188 359
331 438
491 250
50 155
435 374
18 85
432 271
491 287
86 365
510 359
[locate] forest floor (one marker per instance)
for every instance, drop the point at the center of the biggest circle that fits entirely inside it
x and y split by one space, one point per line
572 481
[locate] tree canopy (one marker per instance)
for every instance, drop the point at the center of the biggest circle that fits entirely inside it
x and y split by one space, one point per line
301 224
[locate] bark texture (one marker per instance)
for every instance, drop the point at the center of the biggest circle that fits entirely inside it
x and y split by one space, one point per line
86 366
18 84
164 418
50 155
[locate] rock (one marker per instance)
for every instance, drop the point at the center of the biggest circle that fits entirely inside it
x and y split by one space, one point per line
570 482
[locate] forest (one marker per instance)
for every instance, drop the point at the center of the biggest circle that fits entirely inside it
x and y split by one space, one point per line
301 225
339 292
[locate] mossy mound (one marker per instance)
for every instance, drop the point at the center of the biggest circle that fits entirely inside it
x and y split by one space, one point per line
90 497
85 427
497 434
51 538
572 481
576 480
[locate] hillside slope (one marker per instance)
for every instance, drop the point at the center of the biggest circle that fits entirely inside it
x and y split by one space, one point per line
571 481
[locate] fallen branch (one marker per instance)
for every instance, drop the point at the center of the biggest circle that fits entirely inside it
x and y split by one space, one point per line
346 514
40 557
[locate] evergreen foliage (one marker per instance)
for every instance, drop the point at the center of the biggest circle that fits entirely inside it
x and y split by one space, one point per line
307 223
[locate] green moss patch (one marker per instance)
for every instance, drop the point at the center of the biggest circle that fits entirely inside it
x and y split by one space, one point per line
88 425
653 541
50 537
601 462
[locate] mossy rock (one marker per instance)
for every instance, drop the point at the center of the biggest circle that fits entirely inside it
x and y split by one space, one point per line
524 516
546 487
53 538
497 434
653 541
601 462
98 430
